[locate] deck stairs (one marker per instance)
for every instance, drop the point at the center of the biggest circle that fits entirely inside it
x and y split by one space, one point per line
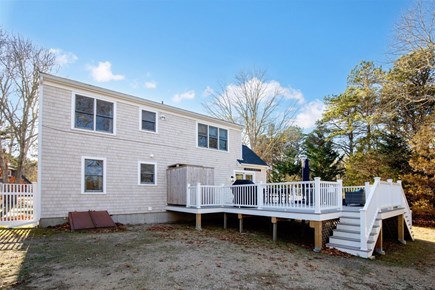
347 238
358 228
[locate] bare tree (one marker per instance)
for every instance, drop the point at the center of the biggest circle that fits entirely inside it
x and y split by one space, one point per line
415 30
21 62
261 107
5 89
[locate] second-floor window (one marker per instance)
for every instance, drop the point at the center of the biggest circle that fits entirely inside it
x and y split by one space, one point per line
212 137
93 114
149 122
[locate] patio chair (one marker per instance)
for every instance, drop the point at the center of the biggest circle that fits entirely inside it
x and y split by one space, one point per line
355 198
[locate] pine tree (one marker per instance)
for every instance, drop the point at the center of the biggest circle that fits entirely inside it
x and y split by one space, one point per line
324 161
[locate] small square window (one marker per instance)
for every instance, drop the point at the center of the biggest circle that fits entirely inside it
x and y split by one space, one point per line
147 173
149 121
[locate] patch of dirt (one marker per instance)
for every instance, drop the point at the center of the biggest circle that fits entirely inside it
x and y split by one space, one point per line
179 257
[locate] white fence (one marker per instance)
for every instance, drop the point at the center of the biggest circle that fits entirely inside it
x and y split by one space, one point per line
313 196
18 204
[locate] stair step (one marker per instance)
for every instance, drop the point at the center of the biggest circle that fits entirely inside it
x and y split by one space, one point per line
346 226
348 241
348 234
350 213
350 220
356 251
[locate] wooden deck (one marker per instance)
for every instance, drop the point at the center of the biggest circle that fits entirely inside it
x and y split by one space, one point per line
360 227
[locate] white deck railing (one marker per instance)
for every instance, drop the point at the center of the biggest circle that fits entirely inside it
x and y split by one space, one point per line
383 195
312 196
17 204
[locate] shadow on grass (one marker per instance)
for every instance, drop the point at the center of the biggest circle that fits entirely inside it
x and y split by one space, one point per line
291 231
14 239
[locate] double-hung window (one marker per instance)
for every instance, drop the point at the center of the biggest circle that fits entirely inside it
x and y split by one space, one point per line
148 121
93 114
93 175
212 137
147 173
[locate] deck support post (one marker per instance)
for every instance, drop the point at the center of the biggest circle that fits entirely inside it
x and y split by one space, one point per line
274 228
240 216
317 226
225 220
379 243
198 222
401 229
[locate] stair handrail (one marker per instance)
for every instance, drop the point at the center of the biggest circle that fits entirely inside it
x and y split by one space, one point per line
368 214
408 210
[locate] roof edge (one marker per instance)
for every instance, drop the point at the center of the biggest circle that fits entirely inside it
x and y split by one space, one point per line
49 78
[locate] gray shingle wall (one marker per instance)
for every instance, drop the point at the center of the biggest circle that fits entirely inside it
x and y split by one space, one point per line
62 149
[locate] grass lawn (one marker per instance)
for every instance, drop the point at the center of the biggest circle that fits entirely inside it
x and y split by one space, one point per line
177 256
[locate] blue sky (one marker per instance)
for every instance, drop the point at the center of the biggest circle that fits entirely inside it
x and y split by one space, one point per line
174 51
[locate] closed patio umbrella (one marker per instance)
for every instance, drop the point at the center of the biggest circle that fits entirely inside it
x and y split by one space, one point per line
305 170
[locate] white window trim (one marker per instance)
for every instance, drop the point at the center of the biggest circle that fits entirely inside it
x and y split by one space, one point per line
73 112
140 120
83 176
218 127
244 172
138 173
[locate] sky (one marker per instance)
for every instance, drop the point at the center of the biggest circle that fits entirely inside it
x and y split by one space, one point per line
180 51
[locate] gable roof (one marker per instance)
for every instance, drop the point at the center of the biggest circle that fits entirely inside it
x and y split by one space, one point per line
249 157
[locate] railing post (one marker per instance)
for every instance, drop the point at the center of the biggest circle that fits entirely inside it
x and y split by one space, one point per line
316 194
366 190
340 194
362 213
198 195
222 195
260 188
188 195
402 201
390 192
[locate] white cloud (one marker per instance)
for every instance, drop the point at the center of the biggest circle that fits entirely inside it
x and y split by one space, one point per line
103 72
63 57
294 94
189 95
208 92
268 89
309 114
151 85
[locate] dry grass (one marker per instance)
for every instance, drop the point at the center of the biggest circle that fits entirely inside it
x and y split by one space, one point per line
177 256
